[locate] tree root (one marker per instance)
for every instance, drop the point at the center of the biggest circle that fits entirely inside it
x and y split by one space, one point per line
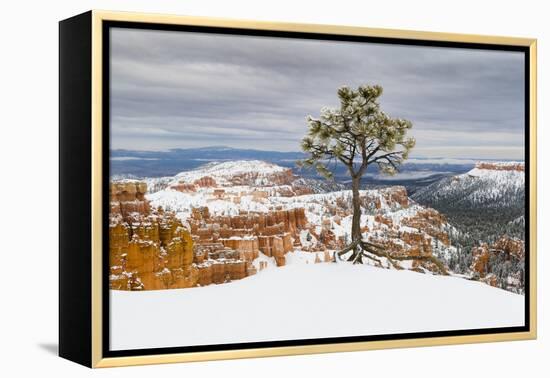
360 247
346 250
377 261
379 251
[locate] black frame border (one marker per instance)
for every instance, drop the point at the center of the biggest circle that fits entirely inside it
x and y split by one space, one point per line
75 194
106 27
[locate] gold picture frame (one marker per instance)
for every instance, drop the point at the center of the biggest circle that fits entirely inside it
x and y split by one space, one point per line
82 340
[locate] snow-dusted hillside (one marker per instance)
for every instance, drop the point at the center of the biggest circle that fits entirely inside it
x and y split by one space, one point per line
254 172
388 215
498 186
307 301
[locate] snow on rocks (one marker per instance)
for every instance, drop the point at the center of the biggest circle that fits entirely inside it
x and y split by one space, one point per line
251 172
388 214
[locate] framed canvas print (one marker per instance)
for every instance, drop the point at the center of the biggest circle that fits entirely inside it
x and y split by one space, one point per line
236 189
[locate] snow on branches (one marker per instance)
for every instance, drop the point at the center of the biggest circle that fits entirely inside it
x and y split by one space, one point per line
357 135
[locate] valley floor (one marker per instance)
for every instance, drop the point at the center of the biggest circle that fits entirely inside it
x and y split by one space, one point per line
307 301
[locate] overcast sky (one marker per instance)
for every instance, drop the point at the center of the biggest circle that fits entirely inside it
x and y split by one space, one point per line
181 90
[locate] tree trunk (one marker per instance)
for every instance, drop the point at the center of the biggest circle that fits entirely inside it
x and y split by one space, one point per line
356 220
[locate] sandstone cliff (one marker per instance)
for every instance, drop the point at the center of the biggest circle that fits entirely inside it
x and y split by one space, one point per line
519 167
150 249
505 249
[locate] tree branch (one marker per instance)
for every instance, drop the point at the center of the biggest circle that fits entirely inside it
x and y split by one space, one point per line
385 156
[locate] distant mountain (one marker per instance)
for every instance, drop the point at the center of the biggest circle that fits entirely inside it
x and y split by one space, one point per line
415 173
255 173
171 162
488 200
488 185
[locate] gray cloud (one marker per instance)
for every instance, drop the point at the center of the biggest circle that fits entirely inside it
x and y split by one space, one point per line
179 90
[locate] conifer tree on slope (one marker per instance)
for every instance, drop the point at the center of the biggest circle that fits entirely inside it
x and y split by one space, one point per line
359 134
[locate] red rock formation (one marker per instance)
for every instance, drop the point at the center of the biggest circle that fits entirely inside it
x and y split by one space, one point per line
119 238
250 269
396 194
259 196
382 219
293 190
218 272
392 196
183 187
415 244
285 177
127 198
431 222
480 261
205 182
420 245
200 213
490 279
127 191
328 239
519 167
205 274
151 250
188 187
158 254
236 269
247 247
275 245
249 232
219 193
510 247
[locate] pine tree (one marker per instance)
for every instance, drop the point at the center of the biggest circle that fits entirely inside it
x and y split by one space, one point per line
358 134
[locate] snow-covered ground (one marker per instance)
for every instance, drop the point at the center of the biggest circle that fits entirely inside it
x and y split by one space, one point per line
224 172
307 301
